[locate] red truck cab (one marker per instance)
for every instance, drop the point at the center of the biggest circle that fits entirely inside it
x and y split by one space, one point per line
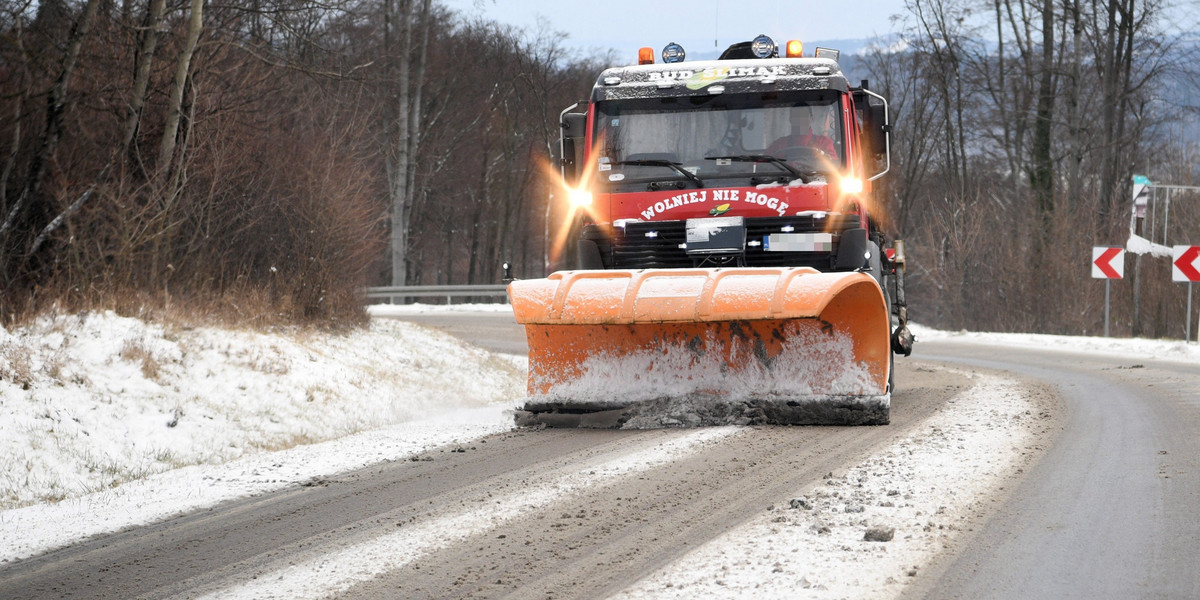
749 160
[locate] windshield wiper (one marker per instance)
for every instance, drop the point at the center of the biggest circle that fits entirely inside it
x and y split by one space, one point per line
678 167
767 158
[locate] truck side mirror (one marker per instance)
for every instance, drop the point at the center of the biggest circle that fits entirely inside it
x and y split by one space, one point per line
571 145
876 129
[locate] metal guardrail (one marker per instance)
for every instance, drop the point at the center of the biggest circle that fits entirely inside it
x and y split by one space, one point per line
449 292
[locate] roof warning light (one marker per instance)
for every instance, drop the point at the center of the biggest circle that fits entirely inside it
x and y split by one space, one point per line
763 47
673 53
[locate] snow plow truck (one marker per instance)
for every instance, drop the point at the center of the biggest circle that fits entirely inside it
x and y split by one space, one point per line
730 268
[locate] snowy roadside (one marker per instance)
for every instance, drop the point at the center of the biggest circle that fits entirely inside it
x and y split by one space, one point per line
916 496
1134 348
107 422
865 532
327 574
130 423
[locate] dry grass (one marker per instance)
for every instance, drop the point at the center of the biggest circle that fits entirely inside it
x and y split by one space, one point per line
135 351
249 309
15 366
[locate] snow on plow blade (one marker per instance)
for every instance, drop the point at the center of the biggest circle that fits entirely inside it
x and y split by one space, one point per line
660 348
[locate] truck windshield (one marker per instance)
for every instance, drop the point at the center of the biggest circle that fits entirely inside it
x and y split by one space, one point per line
719 137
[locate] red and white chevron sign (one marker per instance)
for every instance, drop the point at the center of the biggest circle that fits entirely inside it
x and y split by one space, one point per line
1108 262
1185 263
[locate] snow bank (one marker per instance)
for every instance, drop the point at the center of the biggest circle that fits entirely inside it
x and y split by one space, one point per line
91 401
813 365
1132 348
24 531
1140 245
867 532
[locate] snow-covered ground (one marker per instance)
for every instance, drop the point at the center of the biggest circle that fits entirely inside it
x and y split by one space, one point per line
864 532
1136 348
107 422
94 401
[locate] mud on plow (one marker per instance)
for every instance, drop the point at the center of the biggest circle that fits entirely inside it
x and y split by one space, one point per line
686 347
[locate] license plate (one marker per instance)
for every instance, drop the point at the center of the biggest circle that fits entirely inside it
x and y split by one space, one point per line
798 242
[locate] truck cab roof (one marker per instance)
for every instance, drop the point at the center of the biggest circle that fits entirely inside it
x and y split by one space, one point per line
702 78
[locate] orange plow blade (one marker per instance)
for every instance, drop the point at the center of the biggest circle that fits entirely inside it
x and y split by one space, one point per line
660 348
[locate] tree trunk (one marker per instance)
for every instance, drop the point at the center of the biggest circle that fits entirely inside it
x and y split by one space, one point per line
1041 176
163 191
401 195
1109 85
141 77
166 148
1074 116
408 117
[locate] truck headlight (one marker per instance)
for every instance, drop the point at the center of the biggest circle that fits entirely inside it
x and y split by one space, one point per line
579 197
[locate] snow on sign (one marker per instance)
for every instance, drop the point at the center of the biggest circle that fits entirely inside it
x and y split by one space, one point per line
1185 263
1108 262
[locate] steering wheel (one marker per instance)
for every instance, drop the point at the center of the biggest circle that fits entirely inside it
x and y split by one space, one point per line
808 155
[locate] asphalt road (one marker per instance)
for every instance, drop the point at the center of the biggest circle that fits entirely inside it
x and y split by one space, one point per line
585 545
1109 511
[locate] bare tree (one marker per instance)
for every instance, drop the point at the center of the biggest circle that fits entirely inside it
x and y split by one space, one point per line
56 109
401 171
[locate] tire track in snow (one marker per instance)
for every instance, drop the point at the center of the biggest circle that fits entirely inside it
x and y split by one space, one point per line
593 544
927 490
322 573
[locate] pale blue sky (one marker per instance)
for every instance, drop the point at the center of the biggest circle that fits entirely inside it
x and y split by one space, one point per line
626 25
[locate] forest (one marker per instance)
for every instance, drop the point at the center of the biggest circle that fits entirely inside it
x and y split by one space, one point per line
263 161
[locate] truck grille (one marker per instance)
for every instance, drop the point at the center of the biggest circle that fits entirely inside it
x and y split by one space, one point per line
657 244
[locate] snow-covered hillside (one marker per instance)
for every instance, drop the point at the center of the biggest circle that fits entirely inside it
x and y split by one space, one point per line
93 401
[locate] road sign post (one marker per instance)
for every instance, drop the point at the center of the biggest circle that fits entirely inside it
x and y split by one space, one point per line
1185 268
1107 303
1108 263
1148 202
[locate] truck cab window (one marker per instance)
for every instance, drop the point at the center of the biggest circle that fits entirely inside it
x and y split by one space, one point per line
689 131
